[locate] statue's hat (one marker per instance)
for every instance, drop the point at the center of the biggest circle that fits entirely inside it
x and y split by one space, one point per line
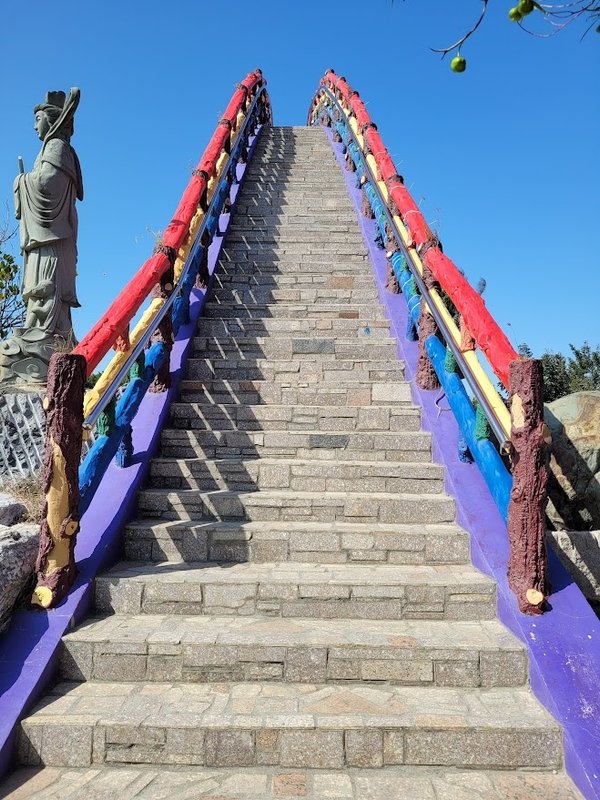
54 100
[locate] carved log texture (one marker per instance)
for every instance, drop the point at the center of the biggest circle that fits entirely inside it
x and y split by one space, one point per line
391 282
426 375
164 331
527 569
55 565
365 207
467 342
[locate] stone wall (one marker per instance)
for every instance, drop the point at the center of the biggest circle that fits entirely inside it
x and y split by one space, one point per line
21 434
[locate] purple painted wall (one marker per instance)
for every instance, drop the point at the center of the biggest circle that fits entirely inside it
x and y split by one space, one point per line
29 649
564 643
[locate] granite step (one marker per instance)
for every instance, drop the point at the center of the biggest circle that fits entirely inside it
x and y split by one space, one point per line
152 540
251 268
231 416
278 348
146 782
288 505
288 589
296 475
323 219
302 293
312 251
286 280
280 238
340 394
296 371
279 326
307 262
288 725
402 446
293 205
331 543
358 311
203 649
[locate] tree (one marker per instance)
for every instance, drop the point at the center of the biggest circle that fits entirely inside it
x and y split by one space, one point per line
566 374
537 19
12 308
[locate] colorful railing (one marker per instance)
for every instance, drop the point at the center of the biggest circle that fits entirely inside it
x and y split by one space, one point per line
141 360
454 329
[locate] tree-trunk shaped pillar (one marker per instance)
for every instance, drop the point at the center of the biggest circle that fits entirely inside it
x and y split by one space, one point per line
63 404
527 568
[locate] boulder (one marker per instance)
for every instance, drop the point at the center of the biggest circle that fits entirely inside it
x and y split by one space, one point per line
579 552
11 510
574 486
18 551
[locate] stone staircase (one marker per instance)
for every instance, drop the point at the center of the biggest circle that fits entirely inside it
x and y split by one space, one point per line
296 614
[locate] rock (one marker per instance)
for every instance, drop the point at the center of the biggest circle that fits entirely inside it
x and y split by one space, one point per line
18 551
579 552
574 486
11 510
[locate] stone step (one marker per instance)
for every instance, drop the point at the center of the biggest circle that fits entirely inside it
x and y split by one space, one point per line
404 446
311 250
329 543
212 416
360 311
298 371
275 268
289 505
268 179
338 394
277 348
291 280
203 649
304 260
289 589
289 725
292 204
104 782
260 474
279 326
325 218
276 232
301 293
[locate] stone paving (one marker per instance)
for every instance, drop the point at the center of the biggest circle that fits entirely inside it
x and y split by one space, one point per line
148 783
297 615
289 724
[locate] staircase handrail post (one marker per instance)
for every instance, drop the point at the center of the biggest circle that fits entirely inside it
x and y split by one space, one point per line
526 523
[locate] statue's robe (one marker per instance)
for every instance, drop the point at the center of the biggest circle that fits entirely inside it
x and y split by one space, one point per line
45 205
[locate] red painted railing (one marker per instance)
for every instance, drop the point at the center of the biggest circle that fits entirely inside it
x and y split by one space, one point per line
114 322
523 378
490 338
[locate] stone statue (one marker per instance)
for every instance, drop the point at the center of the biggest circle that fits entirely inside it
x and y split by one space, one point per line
45 205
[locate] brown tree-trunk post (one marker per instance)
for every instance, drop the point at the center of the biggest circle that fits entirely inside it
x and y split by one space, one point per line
527 567
164 331
426 375
63 404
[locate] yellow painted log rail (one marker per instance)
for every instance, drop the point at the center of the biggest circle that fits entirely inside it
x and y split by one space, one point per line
141 361
454 330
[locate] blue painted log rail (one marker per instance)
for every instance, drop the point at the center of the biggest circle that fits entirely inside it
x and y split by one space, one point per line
563 644
129 419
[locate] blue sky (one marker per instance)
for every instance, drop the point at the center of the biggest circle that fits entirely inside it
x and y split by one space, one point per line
502 159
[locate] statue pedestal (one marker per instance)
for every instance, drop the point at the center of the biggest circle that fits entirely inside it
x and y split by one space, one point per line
25 356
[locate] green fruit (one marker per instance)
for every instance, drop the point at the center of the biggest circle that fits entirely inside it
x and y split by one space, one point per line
515 15
525 7
458 64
